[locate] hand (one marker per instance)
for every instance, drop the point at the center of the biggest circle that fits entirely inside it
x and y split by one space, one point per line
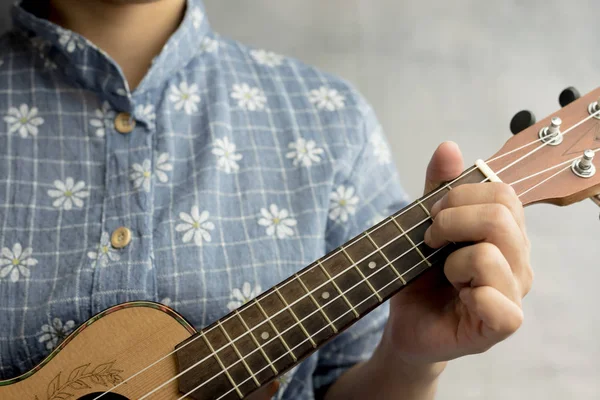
265 392
433 320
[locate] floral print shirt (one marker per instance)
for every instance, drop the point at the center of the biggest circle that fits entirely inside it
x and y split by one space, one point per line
233 168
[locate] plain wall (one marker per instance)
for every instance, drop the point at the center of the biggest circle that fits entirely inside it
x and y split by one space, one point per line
458 70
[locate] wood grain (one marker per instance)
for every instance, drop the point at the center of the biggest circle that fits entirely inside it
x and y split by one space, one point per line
115 346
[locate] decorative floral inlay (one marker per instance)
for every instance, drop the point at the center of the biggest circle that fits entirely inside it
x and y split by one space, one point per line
81 378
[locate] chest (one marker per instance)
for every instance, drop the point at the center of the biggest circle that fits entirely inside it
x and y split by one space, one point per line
216 206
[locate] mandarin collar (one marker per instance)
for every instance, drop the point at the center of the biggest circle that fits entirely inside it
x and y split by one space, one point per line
90 67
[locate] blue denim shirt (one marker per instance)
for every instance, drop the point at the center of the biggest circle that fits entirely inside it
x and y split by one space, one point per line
232 168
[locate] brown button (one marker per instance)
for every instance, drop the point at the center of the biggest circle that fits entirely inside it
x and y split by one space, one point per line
120 237
124 123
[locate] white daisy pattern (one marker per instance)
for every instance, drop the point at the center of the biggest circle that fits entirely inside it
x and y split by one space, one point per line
162 167
185 96
241 297
267 58
105 253
24 120
304 152
381 151
103 117
146 112
249 98
278 222
15 264
68 193
343 203
49 64
55 332
377 218
209 45
69 40
197 17
141 175
325 98
39 43
196 226
227 157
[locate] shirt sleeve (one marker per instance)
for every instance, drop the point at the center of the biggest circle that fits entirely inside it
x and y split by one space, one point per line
374 181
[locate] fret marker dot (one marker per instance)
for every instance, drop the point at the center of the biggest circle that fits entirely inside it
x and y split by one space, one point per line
264 335
372 264
325 295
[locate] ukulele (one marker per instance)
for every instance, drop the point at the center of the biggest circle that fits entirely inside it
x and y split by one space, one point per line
144 350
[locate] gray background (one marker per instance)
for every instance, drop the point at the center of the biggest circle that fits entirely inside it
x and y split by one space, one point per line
458 70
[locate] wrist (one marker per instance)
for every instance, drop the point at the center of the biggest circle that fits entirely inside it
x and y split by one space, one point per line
387 358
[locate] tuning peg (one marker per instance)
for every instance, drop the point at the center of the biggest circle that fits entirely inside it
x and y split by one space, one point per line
568 96
521 121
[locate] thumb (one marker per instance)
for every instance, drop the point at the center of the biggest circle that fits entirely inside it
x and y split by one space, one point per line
445 165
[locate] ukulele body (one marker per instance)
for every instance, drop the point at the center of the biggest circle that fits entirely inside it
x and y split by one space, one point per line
106 350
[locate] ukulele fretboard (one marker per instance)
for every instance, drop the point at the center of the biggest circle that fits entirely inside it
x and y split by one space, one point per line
272 333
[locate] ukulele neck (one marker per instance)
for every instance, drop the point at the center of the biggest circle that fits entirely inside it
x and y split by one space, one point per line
275 331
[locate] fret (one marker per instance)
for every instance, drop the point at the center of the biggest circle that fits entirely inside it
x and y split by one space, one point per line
283 319
316 303
309 313
361 274
337 288
336 309
391 242
411 241
385 259
430 199
382 274
424 208
474 176
300 324
256 343
261 323
237 351
195 357
229 377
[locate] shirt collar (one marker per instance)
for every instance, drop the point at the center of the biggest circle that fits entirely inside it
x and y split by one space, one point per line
82 61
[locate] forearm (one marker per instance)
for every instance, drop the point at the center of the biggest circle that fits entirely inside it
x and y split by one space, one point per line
383 377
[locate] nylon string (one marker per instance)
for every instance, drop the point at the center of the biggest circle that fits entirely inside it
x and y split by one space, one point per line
354 265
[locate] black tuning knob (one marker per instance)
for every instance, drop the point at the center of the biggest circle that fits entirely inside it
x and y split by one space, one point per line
568 96
521 121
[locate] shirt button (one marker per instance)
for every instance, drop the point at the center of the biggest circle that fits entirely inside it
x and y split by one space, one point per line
120 237
124 123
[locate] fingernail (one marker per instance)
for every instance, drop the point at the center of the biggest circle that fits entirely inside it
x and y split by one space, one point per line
435 209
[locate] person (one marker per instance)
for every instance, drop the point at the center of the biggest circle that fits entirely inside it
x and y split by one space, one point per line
145 157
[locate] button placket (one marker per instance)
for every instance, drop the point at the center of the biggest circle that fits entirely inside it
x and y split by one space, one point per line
126 145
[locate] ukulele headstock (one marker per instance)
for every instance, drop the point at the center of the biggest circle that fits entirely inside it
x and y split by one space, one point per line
545 163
